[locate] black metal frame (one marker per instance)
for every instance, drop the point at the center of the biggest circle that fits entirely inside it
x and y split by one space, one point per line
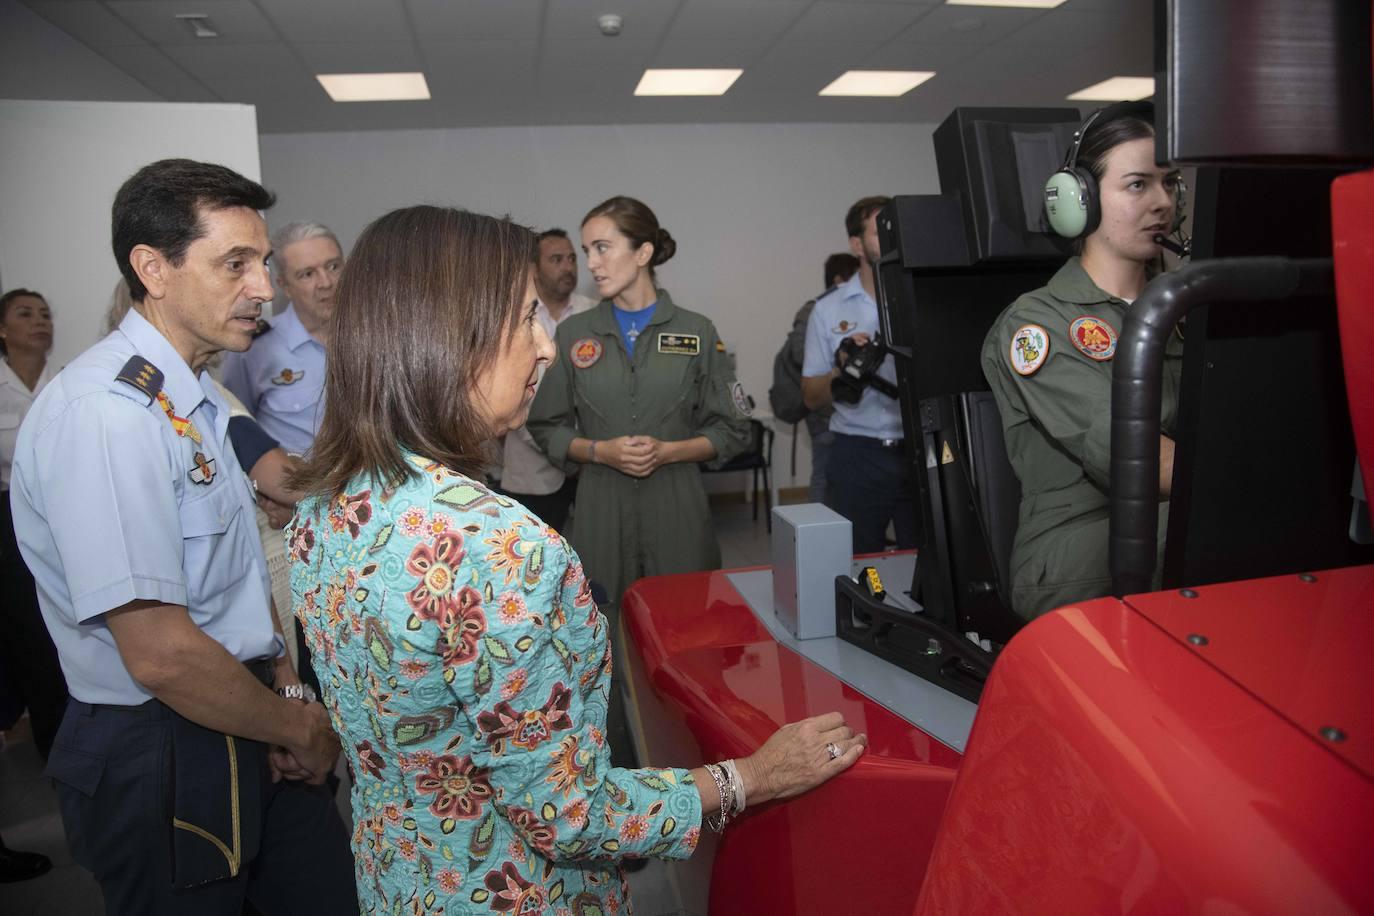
1138 381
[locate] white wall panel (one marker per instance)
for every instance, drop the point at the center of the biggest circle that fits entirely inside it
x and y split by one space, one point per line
63 163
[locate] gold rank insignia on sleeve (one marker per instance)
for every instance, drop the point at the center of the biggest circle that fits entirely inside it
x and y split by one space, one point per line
142 375
720 346
681 344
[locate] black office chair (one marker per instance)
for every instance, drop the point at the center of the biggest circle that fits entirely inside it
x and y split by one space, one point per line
759 459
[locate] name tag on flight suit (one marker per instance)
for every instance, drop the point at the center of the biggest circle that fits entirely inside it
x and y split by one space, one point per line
682 344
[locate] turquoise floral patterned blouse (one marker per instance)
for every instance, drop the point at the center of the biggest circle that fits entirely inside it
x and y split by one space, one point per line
466 669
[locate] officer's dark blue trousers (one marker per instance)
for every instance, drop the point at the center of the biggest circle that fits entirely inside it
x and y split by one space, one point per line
113 768
870 484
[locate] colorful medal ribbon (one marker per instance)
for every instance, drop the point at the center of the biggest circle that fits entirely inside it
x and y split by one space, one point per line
183 426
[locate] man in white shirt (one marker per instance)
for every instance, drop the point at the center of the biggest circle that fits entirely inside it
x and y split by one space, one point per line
525 473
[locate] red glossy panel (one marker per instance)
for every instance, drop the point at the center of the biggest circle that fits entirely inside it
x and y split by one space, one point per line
1352 236
1111 771
1301 647
857 844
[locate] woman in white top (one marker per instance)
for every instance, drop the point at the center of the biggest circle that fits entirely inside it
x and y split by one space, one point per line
27 657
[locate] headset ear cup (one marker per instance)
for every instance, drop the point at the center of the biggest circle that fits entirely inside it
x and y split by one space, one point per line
1180 205
1071 203
1092 210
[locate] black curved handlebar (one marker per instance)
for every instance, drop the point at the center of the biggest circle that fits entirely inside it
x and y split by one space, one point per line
1138 380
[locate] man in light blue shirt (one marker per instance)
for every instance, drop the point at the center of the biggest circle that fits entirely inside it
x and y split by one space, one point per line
138 524
281 379
868 477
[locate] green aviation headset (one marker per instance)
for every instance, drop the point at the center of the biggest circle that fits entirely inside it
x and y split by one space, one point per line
1073 206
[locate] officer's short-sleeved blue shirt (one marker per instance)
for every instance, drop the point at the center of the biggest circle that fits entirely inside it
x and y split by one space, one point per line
843 312
281 381
112 505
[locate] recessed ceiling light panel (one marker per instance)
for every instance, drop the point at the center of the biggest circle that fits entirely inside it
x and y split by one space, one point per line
686 82
1117 89
1022 4
877 83
374 87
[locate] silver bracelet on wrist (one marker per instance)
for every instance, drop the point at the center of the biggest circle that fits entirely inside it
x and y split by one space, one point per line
736 785
591 450
722 781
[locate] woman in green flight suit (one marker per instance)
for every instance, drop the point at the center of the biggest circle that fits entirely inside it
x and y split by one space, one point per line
640 393
1048 359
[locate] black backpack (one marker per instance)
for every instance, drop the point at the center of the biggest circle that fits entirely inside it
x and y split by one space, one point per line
785 395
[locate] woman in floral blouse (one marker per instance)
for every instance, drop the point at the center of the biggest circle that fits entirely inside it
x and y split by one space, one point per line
464 663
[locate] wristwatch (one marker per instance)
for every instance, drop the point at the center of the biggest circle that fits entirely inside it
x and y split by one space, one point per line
297 692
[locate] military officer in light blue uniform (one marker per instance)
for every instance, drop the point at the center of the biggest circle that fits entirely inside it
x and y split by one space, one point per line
281 379
138 524
868 479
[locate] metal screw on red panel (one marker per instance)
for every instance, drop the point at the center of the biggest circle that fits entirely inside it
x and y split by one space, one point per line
1332 733
1197 639
1307 577
1188 593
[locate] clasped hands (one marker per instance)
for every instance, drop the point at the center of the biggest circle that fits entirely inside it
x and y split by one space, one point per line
637 456
312 757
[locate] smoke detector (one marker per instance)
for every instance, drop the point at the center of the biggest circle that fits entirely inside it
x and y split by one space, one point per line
609 24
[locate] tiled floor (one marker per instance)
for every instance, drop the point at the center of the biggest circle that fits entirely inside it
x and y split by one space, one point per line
29 818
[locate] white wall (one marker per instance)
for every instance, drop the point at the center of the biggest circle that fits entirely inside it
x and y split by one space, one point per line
755 208
60 166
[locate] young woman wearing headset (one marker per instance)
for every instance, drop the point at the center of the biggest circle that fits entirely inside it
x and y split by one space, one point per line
1048 358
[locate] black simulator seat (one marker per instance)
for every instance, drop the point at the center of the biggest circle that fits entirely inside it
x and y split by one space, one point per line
997 491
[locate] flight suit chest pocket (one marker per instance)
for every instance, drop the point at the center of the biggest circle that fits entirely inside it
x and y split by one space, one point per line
215 554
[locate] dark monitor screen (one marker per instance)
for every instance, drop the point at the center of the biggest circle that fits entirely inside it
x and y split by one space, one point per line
997 160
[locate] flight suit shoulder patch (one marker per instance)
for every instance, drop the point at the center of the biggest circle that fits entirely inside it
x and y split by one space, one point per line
1030 346
741 400
681 344
142 376
1093 337
585 352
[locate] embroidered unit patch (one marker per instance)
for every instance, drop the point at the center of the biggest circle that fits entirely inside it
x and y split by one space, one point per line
681 344
1093 337
741 400
1030 345
585 352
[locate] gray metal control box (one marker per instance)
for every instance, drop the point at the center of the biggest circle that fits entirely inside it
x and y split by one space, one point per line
811 546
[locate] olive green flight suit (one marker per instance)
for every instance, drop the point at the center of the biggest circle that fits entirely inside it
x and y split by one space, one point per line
1055 400
677 386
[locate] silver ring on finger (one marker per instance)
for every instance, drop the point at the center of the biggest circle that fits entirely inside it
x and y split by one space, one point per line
833 750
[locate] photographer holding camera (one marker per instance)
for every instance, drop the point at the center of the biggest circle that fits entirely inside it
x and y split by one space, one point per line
868 479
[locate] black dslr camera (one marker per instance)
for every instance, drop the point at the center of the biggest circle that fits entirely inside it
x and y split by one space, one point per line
859 370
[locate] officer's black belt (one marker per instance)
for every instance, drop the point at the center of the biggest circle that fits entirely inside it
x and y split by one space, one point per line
264 669
871 441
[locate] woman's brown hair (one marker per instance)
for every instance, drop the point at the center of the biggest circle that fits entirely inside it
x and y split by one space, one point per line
425 302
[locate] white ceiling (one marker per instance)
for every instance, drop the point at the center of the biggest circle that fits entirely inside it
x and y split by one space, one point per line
524 62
